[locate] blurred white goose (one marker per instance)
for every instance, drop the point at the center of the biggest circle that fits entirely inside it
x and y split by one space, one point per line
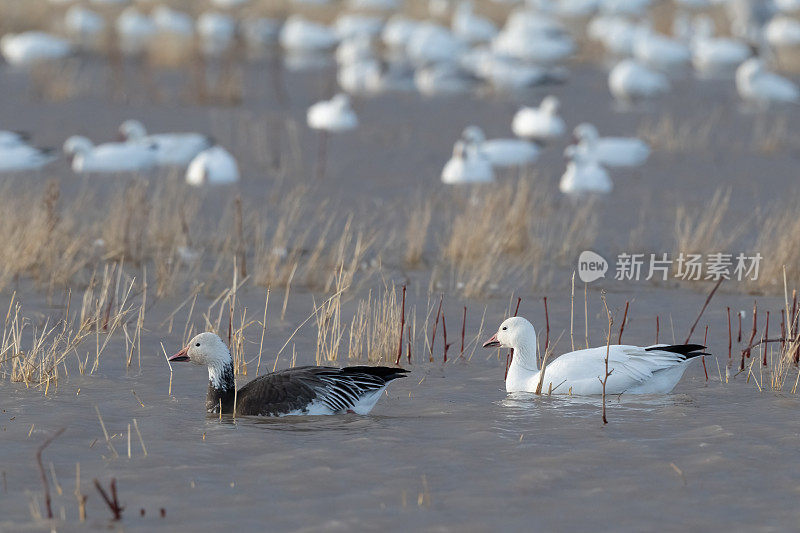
300 34
633 369
259 32
134 30
32 47
659 51
13 138
432 43
469 27
630 81
467 165
397 31
350 25
84 26
757 85
332 115
782 31
172 22
171 148
215 166
217 32
442 78
360 77
539 123
501 152
19 157
109 157
584 175
533 37
714 54
502 72
612 151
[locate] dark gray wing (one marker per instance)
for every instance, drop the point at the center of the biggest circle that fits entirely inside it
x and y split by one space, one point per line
294 389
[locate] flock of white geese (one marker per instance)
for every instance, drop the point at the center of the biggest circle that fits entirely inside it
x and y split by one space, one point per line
378 47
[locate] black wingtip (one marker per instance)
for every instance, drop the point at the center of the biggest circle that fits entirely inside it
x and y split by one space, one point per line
386 373
686 350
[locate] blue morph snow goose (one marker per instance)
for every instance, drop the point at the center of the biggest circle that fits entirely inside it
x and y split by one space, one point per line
634 369
304 390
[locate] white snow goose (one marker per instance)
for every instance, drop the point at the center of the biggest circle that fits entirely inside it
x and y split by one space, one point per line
18 157
502 152
584 175
630 81
757 85
171 148
468 165
634 369
32 47
539 123
305 390
109 157
332 115
612 151
215 166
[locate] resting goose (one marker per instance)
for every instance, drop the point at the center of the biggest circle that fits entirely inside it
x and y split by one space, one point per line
539 123
634 369
305 390
757 85
612 151
501 152
171 148
109 157
334 115
14 158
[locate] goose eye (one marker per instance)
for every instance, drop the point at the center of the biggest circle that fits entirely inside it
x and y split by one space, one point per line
198 344
505 328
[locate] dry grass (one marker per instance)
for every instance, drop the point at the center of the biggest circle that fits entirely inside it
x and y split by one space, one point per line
667 134
705 231
777 242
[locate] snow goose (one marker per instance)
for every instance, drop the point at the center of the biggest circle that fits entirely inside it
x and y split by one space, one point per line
715 54
332 115
501 152
432 43
539 123
468 165
633 369
442 78
305 390
171 148
84 26
22 49
260 32
18 157
782 31
630 81
350 25
173 23
134 31
757 85
214 166
13 138
659 51
584 175
216 31
532 37
360 77
470 27
398 31
612 151
109 157
300 34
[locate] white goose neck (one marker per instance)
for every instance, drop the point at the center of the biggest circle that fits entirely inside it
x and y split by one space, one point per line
525 356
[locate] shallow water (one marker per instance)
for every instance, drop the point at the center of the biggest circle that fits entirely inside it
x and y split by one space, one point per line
446 449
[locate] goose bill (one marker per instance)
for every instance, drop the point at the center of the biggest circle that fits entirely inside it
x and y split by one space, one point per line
183 355
492 343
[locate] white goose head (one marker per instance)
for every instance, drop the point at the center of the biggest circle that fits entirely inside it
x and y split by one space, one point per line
77 145
473 135
585 132
205 349
515 332
550 105
131 130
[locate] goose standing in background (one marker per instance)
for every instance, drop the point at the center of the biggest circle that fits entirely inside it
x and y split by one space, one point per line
502 152
171 148
305 390
612 151
757 85
584 174
109 157
539 123
468 165
634 369
334 115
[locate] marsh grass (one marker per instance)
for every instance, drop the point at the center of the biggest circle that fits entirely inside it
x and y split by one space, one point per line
669 134
707 230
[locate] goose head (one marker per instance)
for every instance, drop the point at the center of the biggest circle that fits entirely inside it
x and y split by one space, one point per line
132 130
341 101
77 145
205 349
550 105
585 132
517 333
473 135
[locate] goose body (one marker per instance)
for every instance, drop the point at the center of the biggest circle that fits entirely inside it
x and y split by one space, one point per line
307 390
630 80
214 166
33 47
134 30
584 174
300 34
109 157
502 152
172 149
634 369
539 123
612 151
757 85
468 165
19 157
332 115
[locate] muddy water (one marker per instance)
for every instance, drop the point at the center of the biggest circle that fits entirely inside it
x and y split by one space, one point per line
446 448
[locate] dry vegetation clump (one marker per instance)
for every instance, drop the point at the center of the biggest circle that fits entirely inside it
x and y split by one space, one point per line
667 134
514 230
705 231
777 242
